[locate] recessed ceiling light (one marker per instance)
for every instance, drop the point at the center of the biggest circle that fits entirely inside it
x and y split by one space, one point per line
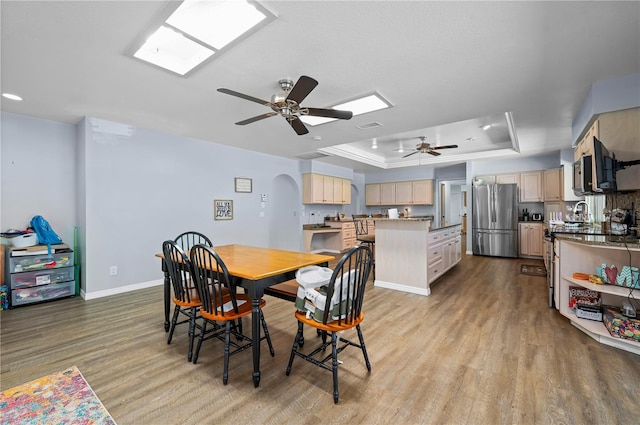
368 103
486 127
374 144
11 96
471 139
199 28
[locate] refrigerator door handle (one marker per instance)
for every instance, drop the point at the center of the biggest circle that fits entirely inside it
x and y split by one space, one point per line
492 203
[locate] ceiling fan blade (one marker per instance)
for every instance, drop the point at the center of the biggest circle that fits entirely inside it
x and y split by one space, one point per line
434 153
257 118
298 126
444 147
328 113
412 153
244 96
302 88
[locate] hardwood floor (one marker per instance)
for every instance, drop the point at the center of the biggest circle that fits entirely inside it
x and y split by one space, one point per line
483 348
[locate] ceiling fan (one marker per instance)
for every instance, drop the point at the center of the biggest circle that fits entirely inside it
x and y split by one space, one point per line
425 147
287 104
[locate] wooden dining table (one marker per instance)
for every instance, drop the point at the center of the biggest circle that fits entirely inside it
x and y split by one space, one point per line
253 269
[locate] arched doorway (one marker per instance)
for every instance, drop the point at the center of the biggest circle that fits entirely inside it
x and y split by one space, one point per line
284 214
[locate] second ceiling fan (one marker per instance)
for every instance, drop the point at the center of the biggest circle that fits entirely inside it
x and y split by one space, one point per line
287 104
425 147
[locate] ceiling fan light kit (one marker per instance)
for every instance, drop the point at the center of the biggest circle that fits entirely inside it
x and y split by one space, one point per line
287 104
424 147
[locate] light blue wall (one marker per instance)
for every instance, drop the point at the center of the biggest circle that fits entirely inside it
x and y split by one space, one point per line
38 173
607 96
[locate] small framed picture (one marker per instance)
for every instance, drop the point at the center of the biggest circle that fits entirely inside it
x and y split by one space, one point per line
243 185
223 209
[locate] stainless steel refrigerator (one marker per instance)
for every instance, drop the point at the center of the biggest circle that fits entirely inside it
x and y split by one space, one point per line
495 220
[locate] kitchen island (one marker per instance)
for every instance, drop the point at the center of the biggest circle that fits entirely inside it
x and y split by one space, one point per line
581 251
410 254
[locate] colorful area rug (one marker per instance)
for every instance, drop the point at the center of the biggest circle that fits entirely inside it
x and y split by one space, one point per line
60 398
533 270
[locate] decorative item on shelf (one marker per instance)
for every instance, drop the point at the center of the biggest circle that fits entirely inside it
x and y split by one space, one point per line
628 277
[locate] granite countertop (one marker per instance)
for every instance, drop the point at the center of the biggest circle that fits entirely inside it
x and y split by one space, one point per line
414 218
594 236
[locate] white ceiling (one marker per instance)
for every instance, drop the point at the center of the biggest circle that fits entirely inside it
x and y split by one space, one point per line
438 63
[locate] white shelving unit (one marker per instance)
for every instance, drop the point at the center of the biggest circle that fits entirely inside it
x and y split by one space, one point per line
584 258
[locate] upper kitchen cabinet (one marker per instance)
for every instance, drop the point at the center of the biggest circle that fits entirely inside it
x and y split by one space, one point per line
531 189
422 191
414 192
321 189
618 131
387 193
498 178
372 194
508 178
553 185
482 180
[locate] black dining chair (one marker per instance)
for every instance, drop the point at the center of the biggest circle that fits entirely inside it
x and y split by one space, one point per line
221 304
363 236
344 295
185 295
188 239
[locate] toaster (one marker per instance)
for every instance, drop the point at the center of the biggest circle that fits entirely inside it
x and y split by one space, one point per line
536 216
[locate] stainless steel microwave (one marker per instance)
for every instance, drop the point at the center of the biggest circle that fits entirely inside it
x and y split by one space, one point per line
582 176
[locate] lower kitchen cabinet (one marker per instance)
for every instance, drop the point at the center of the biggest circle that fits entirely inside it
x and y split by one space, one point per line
531 239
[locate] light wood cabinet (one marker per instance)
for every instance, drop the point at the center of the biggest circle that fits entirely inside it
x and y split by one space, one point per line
372 194
554 184
422 192
619 131
531 239
404 193
484 180
508 178
531 189
321 189
412 192
387 193
346 191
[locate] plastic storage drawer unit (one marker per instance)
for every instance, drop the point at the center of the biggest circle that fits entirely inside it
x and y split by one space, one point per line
41 277
42 293
40 262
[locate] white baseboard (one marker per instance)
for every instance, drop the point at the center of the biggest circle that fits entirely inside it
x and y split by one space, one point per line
403 288
120 289
469 252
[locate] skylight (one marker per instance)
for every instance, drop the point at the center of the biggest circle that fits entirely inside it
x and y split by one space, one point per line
370 103
198 29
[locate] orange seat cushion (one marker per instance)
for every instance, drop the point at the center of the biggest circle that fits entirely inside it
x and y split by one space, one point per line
331 326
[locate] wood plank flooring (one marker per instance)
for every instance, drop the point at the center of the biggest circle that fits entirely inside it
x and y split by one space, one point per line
483 348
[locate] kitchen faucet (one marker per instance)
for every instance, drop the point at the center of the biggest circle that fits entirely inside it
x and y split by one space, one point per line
585 216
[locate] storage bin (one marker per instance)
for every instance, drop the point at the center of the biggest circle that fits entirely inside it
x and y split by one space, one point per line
40 262
619 325
41 277
42 293
23 241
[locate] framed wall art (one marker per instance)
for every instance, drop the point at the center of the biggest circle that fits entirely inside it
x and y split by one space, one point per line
223 209
243 184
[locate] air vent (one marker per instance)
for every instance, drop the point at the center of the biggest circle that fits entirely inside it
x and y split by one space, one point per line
369 125
312 155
